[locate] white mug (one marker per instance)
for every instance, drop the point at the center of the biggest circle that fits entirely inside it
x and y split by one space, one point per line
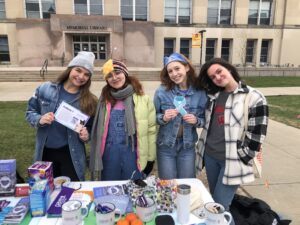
215 214
73 212
146 213
108 217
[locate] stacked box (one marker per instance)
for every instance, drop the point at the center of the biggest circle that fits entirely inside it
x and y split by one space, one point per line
41 170
7 177
39 198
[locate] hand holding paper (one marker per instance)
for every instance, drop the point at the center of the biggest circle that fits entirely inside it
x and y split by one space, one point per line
71 117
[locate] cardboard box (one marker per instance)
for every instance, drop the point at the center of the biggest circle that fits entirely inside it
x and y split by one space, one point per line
41 170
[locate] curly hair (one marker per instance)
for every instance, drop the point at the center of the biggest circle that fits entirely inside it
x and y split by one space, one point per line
204 80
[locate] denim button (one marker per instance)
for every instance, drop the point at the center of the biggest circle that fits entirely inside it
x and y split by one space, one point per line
73 150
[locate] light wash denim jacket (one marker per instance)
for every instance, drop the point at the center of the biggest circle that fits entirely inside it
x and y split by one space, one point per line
195 104
44 100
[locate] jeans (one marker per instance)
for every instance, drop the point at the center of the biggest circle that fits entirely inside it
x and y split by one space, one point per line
220 192
119 158
175 162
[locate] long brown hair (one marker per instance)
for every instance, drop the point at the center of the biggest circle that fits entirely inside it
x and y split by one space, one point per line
191 76
87 101
136 84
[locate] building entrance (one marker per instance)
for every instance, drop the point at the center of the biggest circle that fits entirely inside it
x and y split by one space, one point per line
94 43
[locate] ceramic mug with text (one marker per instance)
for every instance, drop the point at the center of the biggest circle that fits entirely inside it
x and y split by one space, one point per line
106 213
215 214
146 212
73 212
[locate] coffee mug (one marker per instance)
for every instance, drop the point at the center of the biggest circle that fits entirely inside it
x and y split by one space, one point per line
146 212
106 213
215 214
73 212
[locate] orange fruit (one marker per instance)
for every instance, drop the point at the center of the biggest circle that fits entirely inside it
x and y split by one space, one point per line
131 216
123 221
137 222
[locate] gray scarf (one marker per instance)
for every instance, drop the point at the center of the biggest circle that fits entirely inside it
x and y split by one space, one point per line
126 95
98 128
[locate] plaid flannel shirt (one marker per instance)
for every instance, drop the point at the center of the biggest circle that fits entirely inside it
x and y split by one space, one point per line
238 154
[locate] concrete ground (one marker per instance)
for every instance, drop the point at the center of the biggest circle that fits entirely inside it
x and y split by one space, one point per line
280 184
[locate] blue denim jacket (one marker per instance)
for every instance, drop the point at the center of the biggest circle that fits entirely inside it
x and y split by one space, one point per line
195 104
44 100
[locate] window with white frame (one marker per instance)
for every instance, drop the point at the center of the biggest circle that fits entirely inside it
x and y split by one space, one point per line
226 49
40 8
219 11
260 12
2 9
94 43
210 49
264 52
250 51
178 11
185 47
169 46
4 50
88 7
134 10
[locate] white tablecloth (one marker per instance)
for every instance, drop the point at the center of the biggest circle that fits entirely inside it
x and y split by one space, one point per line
89 185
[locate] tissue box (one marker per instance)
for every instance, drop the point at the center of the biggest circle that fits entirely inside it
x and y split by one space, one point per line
39 198
7 177
41 170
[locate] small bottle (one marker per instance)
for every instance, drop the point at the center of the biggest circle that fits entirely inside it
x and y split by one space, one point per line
183 203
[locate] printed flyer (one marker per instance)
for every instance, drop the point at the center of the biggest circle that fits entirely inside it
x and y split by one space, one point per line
71 117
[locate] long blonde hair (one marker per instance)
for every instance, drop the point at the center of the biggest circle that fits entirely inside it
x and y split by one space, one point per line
88 101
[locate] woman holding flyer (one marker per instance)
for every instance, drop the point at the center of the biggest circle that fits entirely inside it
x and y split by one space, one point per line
55 141
179 111
124 130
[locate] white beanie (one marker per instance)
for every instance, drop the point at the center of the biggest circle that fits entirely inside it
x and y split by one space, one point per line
84 59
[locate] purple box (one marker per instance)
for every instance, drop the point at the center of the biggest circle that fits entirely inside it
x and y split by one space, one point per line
7 177
41 170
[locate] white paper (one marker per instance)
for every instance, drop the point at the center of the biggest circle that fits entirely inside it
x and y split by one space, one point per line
70 117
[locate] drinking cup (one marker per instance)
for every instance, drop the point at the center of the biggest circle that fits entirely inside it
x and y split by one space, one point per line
215 214
106 213
147 211
73 212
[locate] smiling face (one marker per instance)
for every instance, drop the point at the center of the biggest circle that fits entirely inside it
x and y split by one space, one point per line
178 73
221 77
116 79
78 77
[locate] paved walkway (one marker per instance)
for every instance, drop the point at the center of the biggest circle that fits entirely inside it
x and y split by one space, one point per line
281 163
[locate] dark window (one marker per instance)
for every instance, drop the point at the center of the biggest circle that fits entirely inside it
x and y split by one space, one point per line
185 47
219 11
169 46
264 52
96 7
250 49
140 10
2 9
260 12
210 49
4 49
80 7
225 50
178 11
33 8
